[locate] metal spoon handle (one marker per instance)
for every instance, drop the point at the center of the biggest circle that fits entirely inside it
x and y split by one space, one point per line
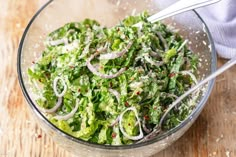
179 7
226 66
157 128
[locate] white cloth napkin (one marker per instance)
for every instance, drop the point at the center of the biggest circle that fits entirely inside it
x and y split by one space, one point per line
221 20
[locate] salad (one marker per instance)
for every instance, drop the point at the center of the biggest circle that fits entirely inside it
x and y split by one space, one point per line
112 85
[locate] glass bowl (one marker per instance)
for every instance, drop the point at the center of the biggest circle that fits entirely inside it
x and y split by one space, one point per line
56 13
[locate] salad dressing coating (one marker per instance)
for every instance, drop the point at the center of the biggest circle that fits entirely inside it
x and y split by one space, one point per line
112 85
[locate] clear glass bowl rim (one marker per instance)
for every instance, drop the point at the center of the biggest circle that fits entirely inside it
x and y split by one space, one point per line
193 115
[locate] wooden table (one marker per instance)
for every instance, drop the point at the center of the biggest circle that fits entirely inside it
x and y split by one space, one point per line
213 134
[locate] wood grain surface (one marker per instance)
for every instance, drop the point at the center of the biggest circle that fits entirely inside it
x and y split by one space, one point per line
213 134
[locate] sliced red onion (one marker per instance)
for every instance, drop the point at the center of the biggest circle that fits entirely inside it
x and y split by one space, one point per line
104 48
152 62
191 75
55 87
69 115
96 66
145 128
163 41
155 54
115 121
58 42
54 109
70 47
182 45
138 120
95 72
116 93
116 54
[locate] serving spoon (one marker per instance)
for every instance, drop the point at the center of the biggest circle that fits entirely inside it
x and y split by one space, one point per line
177 8
157 129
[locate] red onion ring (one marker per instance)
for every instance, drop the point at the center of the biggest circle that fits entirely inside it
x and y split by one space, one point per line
94 70
69 115
138 120
116 54
55 81
115 92
52 110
